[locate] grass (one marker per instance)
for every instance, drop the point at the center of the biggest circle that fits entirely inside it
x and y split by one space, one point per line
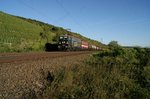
28 79
20 35
114 74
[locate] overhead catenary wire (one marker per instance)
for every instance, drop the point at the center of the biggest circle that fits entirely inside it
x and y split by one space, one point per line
85 27
35 10
53 21
68 13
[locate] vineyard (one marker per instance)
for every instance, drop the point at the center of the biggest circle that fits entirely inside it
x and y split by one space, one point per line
20 34
17 34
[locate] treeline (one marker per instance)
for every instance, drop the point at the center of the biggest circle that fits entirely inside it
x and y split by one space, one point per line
116 73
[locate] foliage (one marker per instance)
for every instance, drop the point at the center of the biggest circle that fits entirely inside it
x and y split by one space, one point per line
113 44
119 73
18 35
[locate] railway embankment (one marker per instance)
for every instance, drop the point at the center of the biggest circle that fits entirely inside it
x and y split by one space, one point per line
25 74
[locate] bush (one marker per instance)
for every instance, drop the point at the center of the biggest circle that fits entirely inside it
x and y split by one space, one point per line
117 73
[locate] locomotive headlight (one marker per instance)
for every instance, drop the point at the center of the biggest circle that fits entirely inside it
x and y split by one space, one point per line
61 37
58 46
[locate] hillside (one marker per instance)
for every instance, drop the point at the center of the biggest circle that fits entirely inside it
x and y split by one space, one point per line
20 34
60 31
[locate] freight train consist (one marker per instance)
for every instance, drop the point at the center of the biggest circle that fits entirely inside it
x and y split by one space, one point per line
71 43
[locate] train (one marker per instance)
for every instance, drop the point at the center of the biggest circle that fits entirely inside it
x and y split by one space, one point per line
71 43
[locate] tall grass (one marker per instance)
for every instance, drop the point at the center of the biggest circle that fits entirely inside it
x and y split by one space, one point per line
114 74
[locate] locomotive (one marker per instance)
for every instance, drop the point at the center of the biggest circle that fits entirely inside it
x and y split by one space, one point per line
71 43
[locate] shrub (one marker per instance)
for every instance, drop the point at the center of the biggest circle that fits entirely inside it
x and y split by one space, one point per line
105 75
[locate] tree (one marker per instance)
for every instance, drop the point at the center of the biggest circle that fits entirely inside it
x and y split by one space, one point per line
116 48
113 44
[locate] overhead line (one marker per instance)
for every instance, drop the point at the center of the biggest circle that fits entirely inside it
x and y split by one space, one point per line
35 10
67 12
53 21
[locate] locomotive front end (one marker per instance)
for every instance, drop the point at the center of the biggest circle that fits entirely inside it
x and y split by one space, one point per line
63 43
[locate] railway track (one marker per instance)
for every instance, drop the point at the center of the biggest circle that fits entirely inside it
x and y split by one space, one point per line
23 57
21 73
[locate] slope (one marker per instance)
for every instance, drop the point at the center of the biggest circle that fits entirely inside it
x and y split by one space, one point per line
19 35
60 31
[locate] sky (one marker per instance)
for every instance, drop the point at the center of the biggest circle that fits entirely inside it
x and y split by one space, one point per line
125 21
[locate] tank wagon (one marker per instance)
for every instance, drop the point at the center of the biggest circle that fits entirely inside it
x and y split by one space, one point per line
71 43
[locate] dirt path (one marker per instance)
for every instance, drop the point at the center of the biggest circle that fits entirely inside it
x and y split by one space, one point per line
22 74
